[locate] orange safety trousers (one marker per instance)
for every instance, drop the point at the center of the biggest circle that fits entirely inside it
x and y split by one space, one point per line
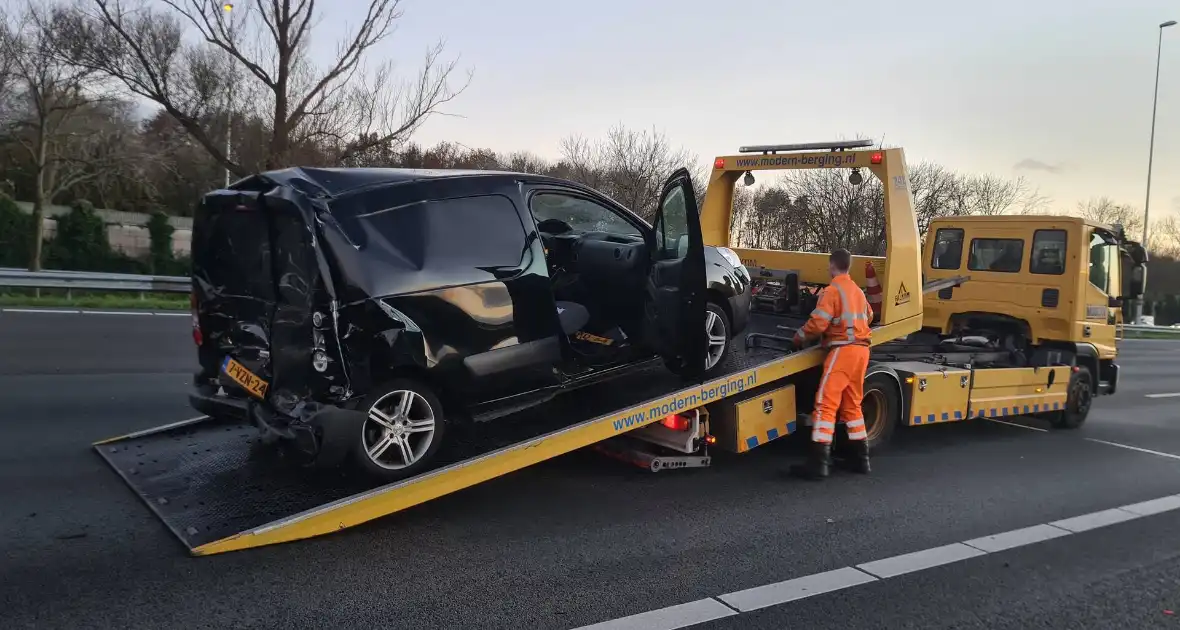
841 389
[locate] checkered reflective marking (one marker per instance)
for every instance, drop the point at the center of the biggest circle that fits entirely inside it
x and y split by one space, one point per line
771 434
992 412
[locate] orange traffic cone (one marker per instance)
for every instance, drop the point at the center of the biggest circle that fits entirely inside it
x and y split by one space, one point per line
873 290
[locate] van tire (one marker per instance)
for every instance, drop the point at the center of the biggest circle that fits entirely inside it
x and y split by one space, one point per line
386 434
714 312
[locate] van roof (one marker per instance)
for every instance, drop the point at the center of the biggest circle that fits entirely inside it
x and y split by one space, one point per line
337 181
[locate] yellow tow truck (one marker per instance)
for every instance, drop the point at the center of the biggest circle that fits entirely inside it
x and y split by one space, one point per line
200 476
1045 290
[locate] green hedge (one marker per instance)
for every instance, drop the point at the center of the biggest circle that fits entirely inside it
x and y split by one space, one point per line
81 243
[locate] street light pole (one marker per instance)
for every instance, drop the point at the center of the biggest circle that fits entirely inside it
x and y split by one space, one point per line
229 100
1151 148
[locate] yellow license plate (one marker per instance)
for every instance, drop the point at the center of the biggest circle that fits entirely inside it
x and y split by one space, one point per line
249 381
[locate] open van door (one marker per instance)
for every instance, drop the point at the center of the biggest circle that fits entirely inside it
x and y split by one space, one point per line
675 309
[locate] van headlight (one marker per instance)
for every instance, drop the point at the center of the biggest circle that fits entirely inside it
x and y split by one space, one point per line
319 361
730 256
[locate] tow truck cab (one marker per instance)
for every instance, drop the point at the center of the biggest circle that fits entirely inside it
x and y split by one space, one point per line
1038 284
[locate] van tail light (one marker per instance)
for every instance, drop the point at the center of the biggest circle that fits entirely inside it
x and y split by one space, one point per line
192 300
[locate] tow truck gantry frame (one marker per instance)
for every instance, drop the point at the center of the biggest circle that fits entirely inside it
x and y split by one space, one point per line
198 475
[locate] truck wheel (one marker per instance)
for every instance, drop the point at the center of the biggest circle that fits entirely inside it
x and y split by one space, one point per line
402 432
881 406
1077 402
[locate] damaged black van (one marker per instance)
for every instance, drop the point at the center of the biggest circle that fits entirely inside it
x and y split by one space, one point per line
355 313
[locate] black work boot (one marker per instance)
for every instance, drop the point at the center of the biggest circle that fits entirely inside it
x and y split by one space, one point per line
858 457
819 459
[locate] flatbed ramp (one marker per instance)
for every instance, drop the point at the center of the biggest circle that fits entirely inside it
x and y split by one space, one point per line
218 489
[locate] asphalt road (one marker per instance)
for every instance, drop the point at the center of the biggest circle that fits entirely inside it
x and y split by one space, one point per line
580 540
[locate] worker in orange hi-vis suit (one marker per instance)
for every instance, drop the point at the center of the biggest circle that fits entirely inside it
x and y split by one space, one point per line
841 320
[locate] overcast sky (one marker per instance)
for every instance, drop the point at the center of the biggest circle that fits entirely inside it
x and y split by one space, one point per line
1058 91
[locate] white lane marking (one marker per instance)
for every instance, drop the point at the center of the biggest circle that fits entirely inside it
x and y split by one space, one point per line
159 429
1013 424
40 310
1133 448
1168 395
669 618
1016 538
117 313
919 560
1094 520
806 586
175 314
1154 506
791 590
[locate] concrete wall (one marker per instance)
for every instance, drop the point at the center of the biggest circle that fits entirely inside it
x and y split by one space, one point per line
126 231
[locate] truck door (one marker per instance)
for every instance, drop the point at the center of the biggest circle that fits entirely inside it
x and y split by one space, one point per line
675 306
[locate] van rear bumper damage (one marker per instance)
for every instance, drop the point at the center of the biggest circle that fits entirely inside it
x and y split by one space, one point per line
323 437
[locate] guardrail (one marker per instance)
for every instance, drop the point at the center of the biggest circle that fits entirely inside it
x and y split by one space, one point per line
92 281
1161 331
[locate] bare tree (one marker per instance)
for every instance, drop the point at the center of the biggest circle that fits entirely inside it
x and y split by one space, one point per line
1106 210
46 113
259 62
628 165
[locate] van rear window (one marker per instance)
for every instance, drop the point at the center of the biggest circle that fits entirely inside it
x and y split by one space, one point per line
996 254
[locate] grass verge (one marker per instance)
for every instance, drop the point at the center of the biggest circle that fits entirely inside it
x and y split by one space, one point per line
114 301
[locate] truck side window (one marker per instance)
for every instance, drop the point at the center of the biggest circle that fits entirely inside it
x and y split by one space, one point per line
1100 263
948 248
996 254
1048 252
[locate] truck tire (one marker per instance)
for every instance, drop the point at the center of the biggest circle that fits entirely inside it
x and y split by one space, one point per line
882 408
402 432
1077 402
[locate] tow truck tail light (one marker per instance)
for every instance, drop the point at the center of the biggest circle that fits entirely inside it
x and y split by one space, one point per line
719 163
710 439
677 423
192 301
876 158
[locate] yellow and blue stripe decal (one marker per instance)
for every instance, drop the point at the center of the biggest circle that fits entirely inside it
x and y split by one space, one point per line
988 411
931 418
753 441
1016 410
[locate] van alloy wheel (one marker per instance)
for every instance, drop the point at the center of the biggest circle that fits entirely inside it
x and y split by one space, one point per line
718 337
399 429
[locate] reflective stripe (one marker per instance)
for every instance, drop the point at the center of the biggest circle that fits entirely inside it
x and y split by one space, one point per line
857 436
852 425
821 313
820 438
819 396
827 424
850 329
